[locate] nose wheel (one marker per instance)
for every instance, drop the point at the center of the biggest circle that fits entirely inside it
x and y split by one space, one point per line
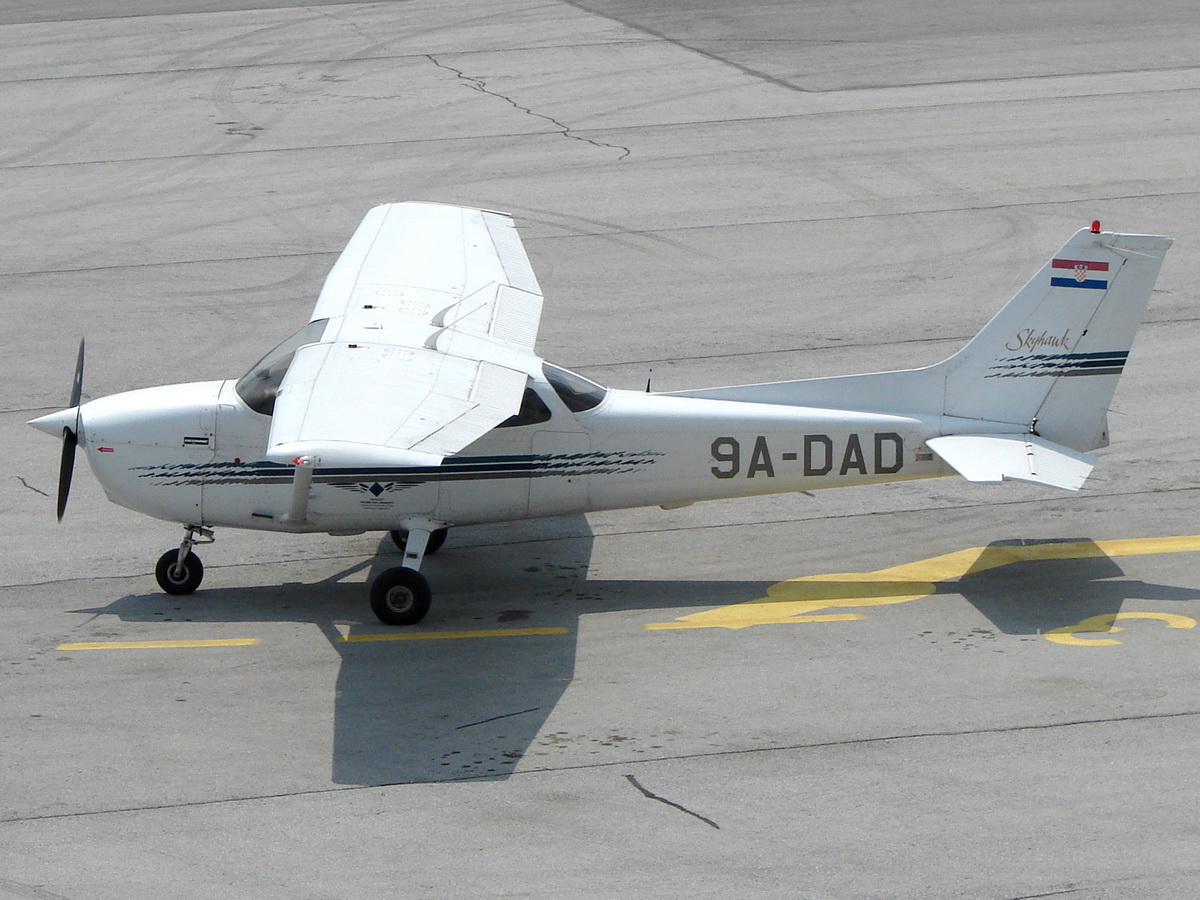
175 577
180 571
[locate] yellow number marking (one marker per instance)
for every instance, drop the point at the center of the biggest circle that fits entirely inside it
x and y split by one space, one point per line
1104 624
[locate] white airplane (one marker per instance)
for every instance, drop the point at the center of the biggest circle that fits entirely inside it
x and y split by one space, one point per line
412 401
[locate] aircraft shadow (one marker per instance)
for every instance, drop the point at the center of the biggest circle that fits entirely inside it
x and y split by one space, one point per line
434 710
1035 596
417 710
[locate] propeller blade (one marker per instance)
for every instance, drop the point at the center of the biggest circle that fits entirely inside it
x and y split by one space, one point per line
65 468
77 385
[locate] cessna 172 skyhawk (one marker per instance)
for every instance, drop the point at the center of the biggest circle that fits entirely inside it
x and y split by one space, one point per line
413 401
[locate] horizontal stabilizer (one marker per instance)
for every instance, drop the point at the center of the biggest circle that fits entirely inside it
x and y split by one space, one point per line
991 458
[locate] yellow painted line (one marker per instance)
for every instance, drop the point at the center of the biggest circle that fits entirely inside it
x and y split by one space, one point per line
449 635
158 645
1105 625
796 599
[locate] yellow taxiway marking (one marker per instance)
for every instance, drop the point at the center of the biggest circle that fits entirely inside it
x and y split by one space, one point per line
797 599
158 645
1104 624
449 635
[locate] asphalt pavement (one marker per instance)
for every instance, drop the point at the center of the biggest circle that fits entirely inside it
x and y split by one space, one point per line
958 691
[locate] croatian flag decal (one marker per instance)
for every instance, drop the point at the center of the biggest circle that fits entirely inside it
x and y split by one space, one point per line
1079 274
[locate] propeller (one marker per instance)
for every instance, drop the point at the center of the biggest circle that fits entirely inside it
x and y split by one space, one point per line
70 437
66 424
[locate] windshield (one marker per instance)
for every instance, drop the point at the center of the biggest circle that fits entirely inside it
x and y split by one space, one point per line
258 387
577 393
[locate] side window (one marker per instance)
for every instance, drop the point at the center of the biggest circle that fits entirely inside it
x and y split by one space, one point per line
533 412
577 393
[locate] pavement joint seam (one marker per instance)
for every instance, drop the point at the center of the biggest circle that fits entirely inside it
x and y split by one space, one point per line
627 232
548 770
294 63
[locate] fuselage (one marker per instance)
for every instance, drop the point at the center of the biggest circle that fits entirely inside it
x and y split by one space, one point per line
193 453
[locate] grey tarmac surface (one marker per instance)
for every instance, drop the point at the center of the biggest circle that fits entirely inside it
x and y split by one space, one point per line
711 192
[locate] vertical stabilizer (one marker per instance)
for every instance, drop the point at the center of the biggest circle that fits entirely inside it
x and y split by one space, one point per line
1050 359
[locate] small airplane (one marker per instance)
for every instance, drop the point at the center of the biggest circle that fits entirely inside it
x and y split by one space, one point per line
413 401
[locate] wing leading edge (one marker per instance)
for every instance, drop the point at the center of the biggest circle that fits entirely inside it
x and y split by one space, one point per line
432 316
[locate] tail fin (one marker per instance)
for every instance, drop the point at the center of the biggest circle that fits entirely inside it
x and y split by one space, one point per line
1047 363
1049 360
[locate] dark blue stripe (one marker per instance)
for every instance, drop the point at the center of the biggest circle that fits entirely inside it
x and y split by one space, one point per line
470 469
1094 283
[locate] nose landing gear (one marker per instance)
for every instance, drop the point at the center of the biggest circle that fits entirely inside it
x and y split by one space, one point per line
180 571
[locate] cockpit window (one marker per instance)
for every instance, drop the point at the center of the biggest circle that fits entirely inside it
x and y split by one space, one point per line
258 387
533 412
576 392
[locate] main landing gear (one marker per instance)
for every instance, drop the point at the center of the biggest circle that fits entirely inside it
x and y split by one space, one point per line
437 537
399 596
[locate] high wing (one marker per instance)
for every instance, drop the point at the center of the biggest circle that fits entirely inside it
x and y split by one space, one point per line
432 315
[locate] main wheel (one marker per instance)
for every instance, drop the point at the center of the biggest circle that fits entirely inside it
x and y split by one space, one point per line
183 580
400 596
436 539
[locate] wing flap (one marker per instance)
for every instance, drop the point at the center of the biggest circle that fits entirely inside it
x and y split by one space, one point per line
494 386
991 458
516 317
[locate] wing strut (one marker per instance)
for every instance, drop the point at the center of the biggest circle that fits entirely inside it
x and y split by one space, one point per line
297 513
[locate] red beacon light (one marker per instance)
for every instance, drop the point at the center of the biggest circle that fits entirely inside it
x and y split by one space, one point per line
1096 226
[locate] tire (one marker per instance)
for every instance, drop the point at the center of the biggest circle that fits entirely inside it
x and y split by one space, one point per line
179 582
437 537
400 596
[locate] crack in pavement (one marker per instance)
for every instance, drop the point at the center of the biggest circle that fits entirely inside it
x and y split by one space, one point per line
30 486
654 796
478 84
